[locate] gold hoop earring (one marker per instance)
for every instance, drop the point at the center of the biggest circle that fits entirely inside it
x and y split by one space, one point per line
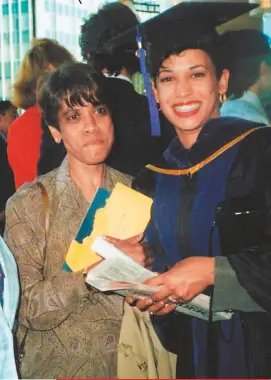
222 98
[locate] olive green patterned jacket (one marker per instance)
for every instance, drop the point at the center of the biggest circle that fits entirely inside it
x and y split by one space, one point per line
72 332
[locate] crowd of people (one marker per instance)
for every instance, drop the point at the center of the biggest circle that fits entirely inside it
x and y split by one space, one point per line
84 126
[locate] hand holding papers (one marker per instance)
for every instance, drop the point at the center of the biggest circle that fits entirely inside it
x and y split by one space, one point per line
121 274
123 214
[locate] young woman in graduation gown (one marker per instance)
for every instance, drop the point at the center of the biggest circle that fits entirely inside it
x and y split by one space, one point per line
212 160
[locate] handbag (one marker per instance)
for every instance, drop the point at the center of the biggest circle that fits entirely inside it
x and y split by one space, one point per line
21 349
140 352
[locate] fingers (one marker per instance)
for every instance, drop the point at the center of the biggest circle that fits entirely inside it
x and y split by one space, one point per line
135 239
130 300
162 295
112 240
148 262
86 270
156 280
140 258
132 240
158 308
139 252
169 308
144 303
141 304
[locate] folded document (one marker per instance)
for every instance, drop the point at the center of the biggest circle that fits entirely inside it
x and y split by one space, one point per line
121 274
122 214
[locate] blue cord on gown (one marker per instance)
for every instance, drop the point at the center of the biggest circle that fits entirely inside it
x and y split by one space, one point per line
154 115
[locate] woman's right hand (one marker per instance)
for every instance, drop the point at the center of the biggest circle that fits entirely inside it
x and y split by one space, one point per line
184 281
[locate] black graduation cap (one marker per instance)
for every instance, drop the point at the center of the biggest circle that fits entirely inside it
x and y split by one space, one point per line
186 25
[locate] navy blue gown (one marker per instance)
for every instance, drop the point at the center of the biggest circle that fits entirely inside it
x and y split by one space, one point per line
187 185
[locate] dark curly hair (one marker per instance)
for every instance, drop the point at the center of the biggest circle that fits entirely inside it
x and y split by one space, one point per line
110 20
243 52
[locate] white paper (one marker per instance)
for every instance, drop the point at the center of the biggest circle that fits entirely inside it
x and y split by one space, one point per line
121 274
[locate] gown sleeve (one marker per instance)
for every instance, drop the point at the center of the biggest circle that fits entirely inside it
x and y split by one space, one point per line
253 266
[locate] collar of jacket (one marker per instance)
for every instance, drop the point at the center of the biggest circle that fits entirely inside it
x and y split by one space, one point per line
123 77
66 186
67 195
214 135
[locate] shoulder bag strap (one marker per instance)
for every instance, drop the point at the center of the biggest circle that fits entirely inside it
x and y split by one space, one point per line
45 198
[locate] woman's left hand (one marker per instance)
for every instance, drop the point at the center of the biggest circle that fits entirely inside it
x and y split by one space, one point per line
181 283
139 252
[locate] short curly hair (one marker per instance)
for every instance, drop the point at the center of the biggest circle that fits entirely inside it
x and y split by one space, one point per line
110 20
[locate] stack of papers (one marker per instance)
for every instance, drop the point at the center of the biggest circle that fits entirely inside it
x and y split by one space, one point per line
121 274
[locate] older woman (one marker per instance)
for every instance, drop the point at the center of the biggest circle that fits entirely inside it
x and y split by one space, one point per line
72 332
217 170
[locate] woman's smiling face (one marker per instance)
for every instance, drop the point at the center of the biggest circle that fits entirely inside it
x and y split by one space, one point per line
188 90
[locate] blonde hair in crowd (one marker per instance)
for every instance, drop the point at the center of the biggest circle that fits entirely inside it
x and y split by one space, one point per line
44 55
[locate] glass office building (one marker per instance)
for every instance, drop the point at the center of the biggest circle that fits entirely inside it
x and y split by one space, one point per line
20 20
16 31
146 9
61 20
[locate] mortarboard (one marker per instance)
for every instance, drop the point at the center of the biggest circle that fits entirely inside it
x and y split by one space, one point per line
186 25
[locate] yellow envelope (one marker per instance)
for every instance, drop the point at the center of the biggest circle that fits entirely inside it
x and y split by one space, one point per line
126 214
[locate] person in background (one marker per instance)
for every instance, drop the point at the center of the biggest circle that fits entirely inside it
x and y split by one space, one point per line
24 137
8 114
247 54
215 170
133 147
72 332
7 186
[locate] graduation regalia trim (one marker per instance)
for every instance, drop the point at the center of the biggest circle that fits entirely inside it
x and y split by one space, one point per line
195 168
